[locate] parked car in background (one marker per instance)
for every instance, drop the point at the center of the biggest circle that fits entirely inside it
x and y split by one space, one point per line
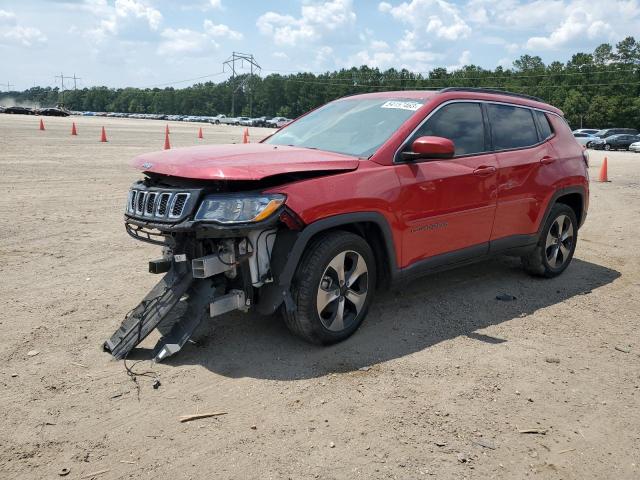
239 120
617 142
590 131
635 147
607 132
274 122
261 121
586 139
281 123
217 119
53 112
19 110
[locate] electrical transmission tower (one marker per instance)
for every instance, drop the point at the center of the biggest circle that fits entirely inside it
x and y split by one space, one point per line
232 63
62 78
9 85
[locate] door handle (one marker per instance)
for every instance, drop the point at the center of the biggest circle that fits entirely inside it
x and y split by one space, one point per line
546 160
484 171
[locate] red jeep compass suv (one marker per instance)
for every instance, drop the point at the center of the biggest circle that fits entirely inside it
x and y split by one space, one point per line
363 192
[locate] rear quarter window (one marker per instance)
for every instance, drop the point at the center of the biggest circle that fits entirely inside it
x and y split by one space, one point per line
512 127
545 127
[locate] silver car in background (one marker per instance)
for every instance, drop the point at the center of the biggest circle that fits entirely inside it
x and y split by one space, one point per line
586 139
635 147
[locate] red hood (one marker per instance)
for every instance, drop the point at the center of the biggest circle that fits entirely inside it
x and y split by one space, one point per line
252 161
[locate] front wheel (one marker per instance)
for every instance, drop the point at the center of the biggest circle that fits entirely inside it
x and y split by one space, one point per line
556 244
607 147
332 288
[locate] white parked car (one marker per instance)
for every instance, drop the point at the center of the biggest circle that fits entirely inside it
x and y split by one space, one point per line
635 147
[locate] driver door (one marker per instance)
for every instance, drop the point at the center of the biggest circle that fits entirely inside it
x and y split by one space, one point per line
448 205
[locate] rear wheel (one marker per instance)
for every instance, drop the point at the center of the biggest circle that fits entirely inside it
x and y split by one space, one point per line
556 245
332 288
607 147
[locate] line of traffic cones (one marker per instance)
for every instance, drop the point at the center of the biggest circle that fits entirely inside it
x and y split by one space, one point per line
167 143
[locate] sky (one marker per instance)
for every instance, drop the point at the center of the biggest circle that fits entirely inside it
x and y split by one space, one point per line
148 43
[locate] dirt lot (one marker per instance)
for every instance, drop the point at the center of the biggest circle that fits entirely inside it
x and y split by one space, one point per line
437 384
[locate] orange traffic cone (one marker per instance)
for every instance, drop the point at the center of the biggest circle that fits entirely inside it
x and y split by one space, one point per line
200 133
73 129
103 137
245 136
167 145
603 171
41 125
166 130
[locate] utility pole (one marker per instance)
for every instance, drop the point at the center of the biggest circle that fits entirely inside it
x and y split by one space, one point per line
240 58
62 78
9 85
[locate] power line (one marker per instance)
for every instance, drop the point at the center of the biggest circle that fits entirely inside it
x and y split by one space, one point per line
211 75
9 85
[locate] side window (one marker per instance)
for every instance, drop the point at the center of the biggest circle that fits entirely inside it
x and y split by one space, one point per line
460 122
511 127
545 128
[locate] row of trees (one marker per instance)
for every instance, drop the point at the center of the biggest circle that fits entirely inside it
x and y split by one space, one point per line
599 89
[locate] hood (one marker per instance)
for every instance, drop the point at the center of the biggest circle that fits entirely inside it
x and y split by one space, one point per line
250 161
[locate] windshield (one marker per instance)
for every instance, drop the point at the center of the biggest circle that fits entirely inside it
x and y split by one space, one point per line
353 127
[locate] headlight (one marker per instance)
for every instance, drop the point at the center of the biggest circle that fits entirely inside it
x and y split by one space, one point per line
243 208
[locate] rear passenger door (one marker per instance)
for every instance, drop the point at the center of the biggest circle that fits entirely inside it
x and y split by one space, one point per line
519 136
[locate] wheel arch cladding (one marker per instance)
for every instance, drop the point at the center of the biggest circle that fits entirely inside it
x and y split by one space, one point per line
575 201
372 226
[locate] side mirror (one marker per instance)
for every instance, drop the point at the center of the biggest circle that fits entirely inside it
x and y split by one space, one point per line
430 148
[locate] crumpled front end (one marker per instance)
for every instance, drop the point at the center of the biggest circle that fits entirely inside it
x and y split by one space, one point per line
218 240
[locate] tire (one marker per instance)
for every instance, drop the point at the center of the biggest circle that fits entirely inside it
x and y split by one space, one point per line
317 281
607 147
553 255
588 145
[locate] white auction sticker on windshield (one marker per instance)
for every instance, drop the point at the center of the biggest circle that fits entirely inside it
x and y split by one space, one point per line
402 105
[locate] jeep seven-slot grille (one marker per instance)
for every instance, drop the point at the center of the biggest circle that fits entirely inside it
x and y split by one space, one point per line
157 205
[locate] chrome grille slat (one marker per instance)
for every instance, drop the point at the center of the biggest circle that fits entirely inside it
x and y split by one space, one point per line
158 204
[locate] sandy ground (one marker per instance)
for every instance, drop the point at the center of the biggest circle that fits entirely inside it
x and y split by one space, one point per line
437 384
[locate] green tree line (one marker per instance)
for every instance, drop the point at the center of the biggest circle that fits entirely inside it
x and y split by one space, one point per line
599 89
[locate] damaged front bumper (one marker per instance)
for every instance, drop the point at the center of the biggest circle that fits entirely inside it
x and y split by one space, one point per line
208 270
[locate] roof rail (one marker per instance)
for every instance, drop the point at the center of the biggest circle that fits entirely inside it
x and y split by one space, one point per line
490 90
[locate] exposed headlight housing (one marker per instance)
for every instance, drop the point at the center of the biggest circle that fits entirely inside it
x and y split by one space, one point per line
242 208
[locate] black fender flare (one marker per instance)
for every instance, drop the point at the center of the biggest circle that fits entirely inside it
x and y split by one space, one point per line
561 192
289 247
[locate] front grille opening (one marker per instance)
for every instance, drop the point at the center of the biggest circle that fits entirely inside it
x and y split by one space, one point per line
140 202
151 201
178 204
162 204
132 200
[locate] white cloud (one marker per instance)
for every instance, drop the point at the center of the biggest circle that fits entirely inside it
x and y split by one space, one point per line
584 20
123 12
557 23
12 32
215 4
221 30
437 18
464 60
315 21
378 54
183 41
